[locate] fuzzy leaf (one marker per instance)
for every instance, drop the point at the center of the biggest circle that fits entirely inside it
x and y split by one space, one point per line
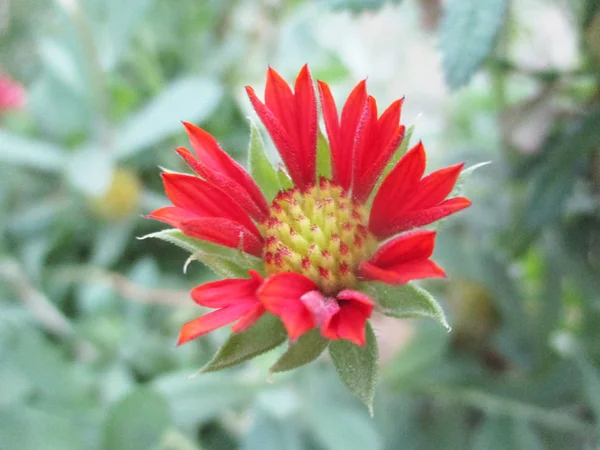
460 183
261 169
263 336
405 301
224 261
357 366
323 157
308 348
468 32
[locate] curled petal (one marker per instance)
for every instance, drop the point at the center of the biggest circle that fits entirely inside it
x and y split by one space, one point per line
281 295
350 321
212 321
402 259
402 273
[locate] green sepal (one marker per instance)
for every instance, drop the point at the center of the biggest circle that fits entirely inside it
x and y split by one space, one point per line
460 182
323 157
264 335
261 169
284 180
224 261
405 301
357 366
305 350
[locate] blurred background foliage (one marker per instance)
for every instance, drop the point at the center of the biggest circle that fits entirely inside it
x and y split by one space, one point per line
89 315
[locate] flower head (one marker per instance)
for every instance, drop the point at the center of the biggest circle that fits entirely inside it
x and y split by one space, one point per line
322 239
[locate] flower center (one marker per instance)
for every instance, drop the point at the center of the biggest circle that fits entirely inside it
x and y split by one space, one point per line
320 233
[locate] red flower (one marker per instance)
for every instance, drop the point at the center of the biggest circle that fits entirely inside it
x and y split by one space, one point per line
320 238
236 300
12 94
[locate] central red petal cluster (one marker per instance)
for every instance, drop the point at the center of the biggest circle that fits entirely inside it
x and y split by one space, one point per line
308 286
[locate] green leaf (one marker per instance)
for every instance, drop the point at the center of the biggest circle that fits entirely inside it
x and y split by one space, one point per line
90 170
357 366
263 336
224 261
261 169
323 157
305 350
191 99
137 421
468 33
21 151
118 28
405 301
460 183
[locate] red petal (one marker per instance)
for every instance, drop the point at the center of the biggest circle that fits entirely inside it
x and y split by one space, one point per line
224 232
172 215
204 199
210 322
434 188
321 307
396 189
388 135
413 219
281 138
332 126
218 294
350 322
281 293
279 98
365 140
402 259
402 273
215 165
306 121
354 109
249 318
407 247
